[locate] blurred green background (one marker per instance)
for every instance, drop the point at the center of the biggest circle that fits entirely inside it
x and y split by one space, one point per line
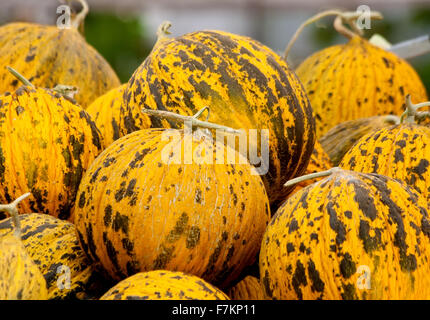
119 39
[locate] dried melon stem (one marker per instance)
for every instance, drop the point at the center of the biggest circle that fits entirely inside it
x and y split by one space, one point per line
64 90
199 113
342 17
312 176
422 115
391 118
12 209
163 30
20 77
80 17
411 112
162 33
189 120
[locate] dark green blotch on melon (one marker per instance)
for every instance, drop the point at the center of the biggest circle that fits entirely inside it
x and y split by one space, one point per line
299 278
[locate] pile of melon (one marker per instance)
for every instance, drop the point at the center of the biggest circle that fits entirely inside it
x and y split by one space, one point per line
120 191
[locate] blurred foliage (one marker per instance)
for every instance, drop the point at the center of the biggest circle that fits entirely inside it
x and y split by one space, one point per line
323 34
421 18
418 20
120 40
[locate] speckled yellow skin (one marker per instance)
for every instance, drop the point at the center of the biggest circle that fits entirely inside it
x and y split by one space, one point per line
52 242
46 144
47 56
135 212
164 285
319 238
245 85
339 139
105 111
247 289
401 152
20 278
356 80
319 162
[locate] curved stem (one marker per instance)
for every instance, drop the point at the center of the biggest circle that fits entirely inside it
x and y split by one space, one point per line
189 119
421 115
312 176
64 90
354 27
163 30
311 20
341 16
340 27
392 118
80 17
20 77
351 18
422 104
11 208
198 114
408 116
